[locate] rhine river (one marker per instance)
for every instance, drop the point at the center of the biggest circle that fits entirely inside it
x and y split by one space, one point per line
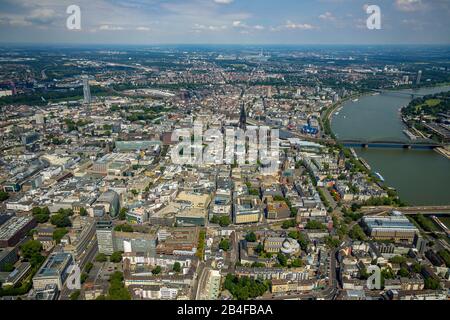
421 177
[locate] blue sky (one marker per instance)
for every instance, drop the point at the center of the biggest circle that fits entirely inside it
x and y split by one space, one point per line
226 21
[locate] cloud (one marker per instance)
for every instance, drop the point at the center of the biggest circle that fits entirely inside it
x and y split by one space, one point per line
14 21
201 27
327 16
245 27
413 24
300 26
107 27
221 21
409 5
223 1
237 23
360 24
143 29
42 16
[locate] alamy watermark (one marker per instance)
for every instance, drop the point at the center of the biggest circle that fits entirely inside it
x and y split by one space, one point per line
373 22
256 145
374 280
73 22
73 281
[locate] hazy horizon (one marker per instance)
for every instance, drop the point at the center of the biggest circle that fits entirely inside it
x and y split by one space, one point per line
190 22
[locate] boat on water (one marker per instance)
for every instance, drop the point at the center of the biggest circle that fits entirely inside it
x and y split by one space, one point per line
336 113
355 100
365 164
379 176
354 153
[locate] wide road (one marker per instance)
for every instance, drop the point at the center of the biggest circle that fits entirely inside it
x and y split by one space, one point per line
329 197
234 255
201 280
331 291
89 256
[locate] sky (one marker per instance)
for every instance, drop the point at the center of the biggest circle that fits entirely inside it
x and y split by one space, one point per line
225 22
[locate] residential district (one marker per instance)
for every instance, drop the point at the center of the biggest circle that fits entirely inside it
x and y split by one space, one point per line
93 205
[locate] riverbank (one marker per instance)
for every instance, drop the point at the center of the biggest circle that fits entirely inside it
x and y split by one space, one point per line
430 108
327 114
444 152
419 176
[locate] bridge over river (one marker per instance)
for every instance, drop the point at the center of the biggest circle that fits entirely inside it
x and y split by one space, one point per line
411 94
390 143
425 210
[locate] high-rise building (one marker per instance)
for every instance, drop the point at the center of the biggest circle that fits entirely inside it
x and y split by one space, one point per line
419 76
104 230
86 90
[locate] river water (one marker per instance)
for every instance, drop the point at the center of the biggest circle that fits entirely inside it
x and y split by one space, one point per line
421 177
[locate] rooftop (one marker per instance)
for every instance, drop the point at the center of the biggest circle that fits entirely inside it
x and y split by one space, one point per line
54 264
12 226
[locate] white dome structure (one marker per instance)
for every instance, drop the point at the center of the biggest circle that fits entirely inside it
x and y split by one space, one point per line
290 246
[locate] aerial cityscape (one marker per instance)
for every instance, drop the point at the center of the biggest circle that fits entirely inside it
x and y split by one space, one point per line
229 162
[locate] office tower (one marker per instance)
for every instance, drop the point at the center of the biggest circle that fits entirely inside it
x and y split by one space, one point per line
419 76
104 230
86 90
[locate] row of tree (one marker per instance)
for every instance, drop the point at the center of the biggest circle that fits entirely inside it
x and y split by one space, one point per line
243 288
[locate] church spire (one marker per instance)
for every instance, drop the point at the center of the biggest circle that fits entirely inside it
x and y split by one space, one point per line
243 117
